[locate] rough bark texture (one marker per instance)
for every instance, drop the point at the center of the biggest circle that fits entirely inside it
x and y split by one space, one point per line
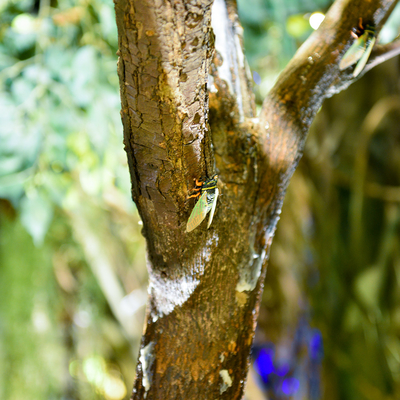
181 124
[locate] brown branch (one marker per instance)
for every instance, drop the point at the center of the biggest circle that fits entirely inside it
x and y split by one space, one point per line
311 76
382 53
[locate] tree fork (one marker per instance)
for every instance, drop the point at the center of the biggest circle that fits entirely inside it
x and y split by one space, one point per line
188 112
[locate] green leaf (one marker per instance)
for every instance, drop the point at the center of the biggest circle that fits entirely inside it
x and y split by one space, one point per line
84 67
367 286
36 216
298 26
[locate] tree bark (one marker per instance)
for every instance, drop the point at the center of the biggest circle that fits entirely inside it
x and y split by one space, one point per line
188 112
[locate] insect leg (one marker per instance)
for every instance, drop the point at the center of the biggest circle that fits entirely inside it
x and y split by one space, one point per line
194 195
360 25
198 183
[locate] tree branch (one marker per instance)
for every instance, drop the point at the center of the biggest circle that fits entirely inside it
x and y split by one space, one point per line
311 76
382 53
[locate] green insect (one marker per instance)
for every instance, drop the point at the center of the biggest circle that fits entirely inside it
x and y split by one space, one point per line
360 49
208 193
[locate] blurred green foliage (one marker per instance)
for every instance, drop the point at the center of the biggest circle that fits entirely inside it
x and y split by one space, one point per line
71 254
65 297
273 31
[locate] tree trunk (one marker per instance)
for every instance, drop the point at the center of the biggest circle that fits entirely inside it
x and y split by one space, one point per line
188 112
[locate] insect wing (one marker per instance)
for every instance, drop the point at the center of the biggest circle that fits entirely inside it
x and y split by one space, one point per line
354 53
214 204
199 212
363 60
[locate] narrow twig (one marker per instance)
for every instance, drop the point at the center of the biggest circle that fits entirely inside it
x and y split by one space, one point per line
382 53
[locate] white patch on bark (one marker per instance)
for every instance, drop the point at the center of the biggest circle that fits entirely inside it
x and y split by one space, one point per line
250 273
227 44
240 60
226 380
146 359
211 85
168 294
223 39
